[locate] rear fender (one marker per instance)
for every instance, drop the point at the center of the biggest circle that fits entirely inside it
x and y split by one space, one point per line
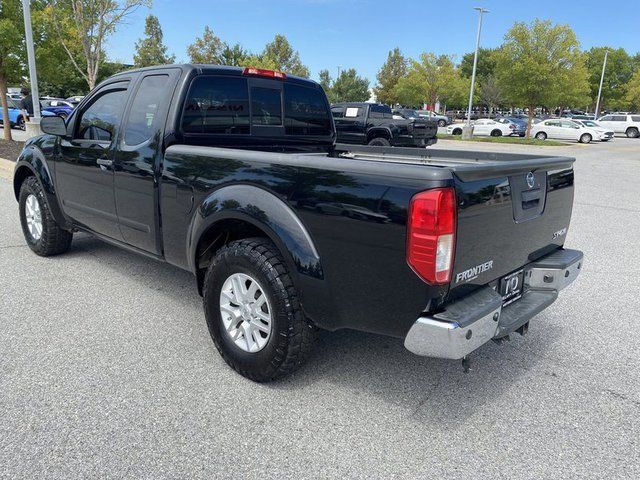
265 211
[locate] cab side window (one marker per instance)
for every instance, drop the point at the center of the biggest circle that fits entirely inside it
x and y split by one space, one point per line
101 119
144 108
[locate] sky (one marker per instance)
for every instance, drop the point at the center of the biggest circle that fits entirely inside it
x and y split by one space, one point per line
358 34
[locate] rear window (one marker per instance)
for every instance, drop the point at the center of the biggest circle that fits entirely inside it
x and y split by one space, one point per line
635 118
305 111
266 106
217 105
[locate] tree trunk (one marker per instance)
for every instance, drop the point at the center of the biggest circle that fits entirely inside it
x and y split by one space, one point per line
5 110
531 112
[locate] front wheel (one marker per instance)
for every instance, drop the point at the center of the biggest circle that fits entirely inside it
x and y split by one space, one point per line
253 311
42 233
585 138
442 123
541 136
20 123
379 142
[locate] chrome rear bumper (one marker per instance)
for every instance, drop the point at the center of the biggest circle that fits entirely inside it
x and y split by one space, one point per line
472 321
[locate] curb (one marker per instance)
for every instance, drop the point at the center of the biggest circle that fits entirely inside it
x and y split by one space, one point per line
6 169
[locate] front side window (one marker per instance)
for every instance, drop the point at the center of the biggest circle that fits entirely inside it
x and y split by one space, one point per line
606 119
266 106
305 111
337 112
144 109
101 119
217 105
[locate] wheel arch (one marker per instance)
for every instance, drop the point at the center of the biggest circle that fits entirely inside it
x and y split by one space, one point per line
31 162
242 211
379 132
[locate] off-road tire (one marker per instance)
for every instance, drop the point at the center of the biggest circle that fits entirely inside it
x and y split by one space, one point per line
54 240
379 142
292 336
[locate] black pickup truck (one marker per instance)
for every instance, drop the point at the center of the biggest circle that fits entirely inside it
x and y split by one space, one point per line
234 174
374 124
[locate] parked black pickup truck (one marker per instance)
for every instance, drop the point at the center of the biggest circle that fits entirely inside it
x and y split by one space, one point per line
374 124
233 174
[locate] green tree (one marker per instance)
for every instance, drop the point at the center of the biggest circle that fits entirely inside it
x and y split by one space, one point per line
486 64
12 53
150 50
349 87
327 83
490 93
88 24
234 56
541 64
620 67
280 55
432 79
632 94
388 76
206 49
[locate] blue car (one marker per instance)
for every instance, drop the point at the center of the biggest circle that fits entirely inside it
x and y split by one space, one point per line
16 120
57 106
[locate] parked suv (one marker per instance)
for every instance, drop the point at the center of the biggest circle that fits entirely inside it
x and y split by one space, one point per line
374 124
627 124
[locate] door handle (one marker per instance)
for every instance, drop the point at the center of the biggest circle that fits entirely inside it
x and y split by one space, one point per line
103 162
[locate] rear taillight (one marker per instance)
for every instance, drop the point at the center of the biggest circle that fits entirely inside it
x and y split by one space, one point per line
431 234
261 72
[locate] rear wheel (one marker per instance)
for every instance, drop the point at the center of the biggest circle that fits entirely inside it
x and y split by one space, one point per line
379 142
253 311
42 233
442 123
496 133
585 138
20 123
632 132
541 136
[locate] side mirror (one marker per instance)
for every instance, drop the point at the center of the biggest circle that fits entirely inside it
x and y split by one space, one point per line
53 126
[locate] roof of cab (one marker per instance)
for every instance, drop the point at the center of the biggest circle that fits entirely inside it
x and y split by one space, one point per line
207 68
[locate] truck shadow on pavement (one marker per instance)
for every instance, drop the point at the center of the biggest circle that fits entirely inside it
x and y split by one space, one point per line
365 365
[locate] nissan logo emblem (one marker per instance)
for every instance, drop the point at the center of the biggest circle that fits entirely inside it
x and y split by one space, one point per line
531 180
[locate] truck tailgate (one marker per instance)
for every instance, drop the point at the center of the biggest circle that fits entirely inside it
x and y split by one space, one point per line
509 214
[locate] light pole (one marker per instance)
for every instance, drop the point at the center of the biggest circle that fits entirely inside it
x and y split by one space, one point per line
604 65
34 128
467 131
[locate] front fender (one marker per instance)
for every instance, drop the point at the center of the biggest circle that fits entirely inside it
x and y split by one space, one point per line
32 162
265 211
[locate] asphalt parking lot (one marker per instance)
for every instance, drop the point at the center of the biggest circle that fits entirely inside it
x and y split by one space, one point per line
107 370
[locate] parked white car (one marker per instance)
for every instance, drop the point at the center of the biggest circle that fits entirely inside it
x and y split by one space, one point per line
483 127
564 129
607 134
627 124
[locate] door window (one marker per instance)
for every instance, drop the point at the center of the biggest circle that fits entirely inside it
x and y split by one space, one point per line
101 119
337 112
217 105
144 109
266 106
618 118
